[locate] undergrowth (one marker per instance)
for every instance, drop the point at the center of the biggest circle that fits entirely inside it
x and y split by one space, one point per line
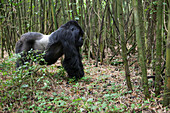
36 88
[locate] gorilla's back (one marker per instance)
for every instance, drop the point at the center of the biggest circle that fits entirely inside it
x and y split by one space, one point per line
34 40
31 36
42 43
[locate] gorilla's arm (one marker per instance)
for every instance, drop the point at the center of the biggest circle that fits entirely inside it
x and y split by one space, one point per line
54 49
72 62
53 53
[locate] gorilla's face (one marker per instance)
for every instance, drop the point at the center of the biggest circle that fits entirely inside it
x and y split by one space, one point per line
78 33
76 30
79 42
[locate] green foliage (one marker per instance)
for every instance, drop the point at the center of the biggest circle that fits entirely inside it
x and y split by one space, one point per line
35 88
24 83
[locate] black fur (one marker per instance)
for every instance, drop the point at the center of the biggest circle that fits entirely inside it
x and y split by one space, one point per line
66 40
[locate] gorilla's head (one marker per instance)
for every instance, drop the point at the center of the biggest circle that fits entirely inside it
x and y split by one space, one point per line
76 31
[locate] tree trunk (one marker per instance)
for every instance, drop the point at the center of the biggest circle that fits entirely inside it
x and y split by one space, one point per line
42 12
123 44
166 99
100 46
62 6
53 14
1 33
150 32
140 45
25 15
158 47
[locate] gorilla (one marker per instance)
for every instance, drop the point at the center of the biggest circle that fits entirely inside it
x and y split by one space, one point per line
65 40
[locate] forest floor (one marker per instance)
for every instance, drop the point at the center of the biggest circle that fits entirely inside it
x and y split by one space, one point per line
48 89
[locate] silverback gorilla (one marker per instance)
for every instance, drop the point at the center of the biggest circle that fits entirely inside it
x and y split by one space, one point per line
66 40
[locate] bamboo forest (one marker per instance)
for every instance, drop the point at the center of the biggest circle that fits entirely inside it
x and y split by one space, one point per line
85 56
